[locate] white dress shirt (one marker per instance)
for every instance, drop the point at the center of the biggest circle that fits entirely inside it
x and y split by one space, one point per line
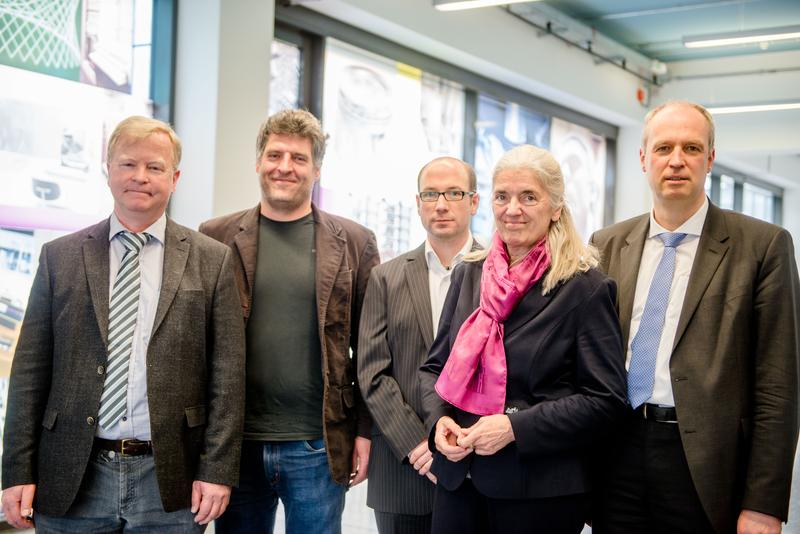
684 259
439 278
136 421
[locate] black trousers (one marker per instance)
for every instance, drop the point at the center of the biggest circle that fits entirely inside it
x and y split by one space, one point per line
466 511
402 523
646 486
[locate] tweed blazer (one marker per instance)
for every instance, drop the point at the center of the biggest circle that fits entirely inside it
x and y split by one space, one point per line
565 385
346 252
734 363
195 369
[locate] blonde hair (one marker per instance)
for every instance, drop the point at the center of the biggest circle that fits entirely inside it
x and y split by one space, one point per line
298 122
676 103
139 128
569 255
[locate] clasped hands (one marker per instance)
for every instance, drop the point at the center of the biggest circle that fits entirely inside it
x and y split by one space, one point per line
487 436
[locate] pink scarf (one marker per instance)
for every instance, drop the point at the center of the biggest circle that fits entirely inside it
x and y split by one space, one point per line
474 377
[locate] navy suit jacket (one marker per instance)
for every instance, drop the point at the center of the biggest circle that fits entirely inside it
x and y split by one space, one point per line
566 385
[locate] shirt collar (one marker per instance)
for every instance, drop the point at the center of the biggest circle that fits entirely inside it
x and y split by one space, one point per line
433 260
157 230
693 225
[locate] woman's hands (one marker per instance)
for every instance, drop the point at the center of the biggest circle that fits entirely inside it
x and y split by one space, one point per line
446 439
490 434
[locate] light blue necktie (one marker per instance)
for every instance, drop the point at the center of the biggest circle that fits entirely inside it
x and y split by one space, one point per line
644 348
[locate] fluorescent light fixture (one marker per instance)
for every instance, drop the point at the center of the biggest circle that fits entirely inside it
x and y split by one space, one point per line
458 5
750 108
744 37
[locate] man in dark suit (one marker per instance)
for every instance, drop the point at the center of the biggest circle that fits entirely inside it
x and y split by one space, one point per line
126 400
709 303
401 312
301 275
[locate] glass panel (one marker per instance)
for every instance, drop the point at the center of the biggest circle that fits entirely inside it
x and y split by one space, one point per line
386 120
726 187
500 127
286 74
582 156
758 202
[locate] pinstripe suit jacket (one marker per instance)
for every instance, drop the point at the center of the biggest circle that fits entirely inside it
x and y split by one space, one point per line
396 333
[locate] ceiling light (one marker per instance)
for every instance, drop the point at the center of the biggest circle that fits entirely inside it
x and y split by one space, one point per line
744 37
458 5
750 108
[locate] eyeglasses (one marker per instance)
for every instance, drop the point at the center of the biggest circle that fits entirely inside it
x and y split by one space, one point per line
526 199
450 196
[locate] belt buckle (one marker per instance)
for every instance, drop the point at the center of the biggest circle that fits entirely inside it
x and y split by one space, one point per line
125 442
644 411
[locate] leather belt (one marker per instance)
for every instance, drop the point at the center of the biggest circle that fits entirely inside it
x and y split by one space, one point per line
659 414
125 447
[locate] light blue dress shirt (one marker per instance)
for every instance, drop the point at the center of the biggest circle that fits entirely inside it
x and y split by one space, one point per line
136 421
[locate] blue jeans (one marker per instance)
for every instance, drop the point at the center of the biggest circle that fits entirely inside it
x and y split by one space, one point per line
296 472
119 494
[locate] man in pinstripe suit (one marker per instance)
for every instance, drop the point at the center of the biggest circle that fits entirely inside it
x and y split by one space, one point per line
398 322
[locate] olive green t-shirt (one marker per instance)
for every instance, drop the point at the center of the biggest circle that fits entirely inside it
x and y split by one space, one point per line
284 369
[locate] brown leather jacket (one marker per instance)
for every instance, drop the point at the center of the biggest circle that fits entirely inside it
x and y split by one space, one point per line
346 253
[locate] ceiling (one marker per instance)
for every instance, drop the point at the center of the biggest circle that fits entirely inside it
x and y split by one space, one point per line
656 28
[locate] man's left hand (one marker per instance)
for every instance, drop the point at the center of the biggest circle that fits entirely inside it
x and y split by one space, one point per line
209 501
752 522
360 461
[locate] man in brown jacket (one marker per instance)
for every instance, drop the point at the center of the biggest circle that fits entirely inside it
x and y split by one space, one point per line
302 274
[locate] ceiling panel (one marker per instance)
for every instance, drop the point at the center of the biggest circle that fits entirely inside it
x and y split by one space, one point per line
657 28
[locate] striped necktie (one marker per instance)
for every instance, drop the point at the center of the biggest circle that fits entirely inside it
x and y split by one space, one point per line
122 313
644 348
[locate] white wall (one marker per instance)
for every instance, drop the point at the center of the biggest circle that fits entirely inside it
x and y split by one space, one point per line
221 98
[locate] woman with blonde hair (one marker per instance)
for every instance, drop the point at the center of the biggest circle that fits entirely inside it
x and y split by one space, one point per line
527 369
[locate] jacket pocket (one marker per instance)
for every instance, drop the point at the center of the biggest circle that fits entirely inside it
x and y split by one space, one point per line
341 400
195 415
50 416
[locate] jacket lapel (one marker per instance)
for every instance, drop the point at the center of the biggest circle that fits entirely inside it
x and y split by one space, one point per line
245 243
528 308
630 257
416 273
176 252
330 247
710 251
96 266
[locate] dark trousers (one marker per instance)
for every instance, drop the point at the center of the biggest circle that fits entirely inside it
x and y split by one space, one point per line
402 523
466 511
647 487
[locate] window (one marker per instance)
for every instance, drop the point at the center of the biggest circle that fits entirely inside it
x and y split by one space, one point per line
758 202
386 120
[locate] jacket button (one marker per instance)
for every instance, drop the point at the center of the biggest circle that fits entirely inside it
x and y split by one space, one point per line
90 421
100 369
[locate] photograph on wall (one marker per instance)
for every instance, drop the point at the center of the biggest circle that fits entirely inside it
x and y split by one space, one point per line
500 127
386 120
582 156
96 42
53 135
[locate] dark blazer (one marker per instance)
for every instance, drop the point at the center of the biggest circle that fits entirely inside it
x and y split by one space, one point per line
346 252
195 369
396 333
566 385
734 363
